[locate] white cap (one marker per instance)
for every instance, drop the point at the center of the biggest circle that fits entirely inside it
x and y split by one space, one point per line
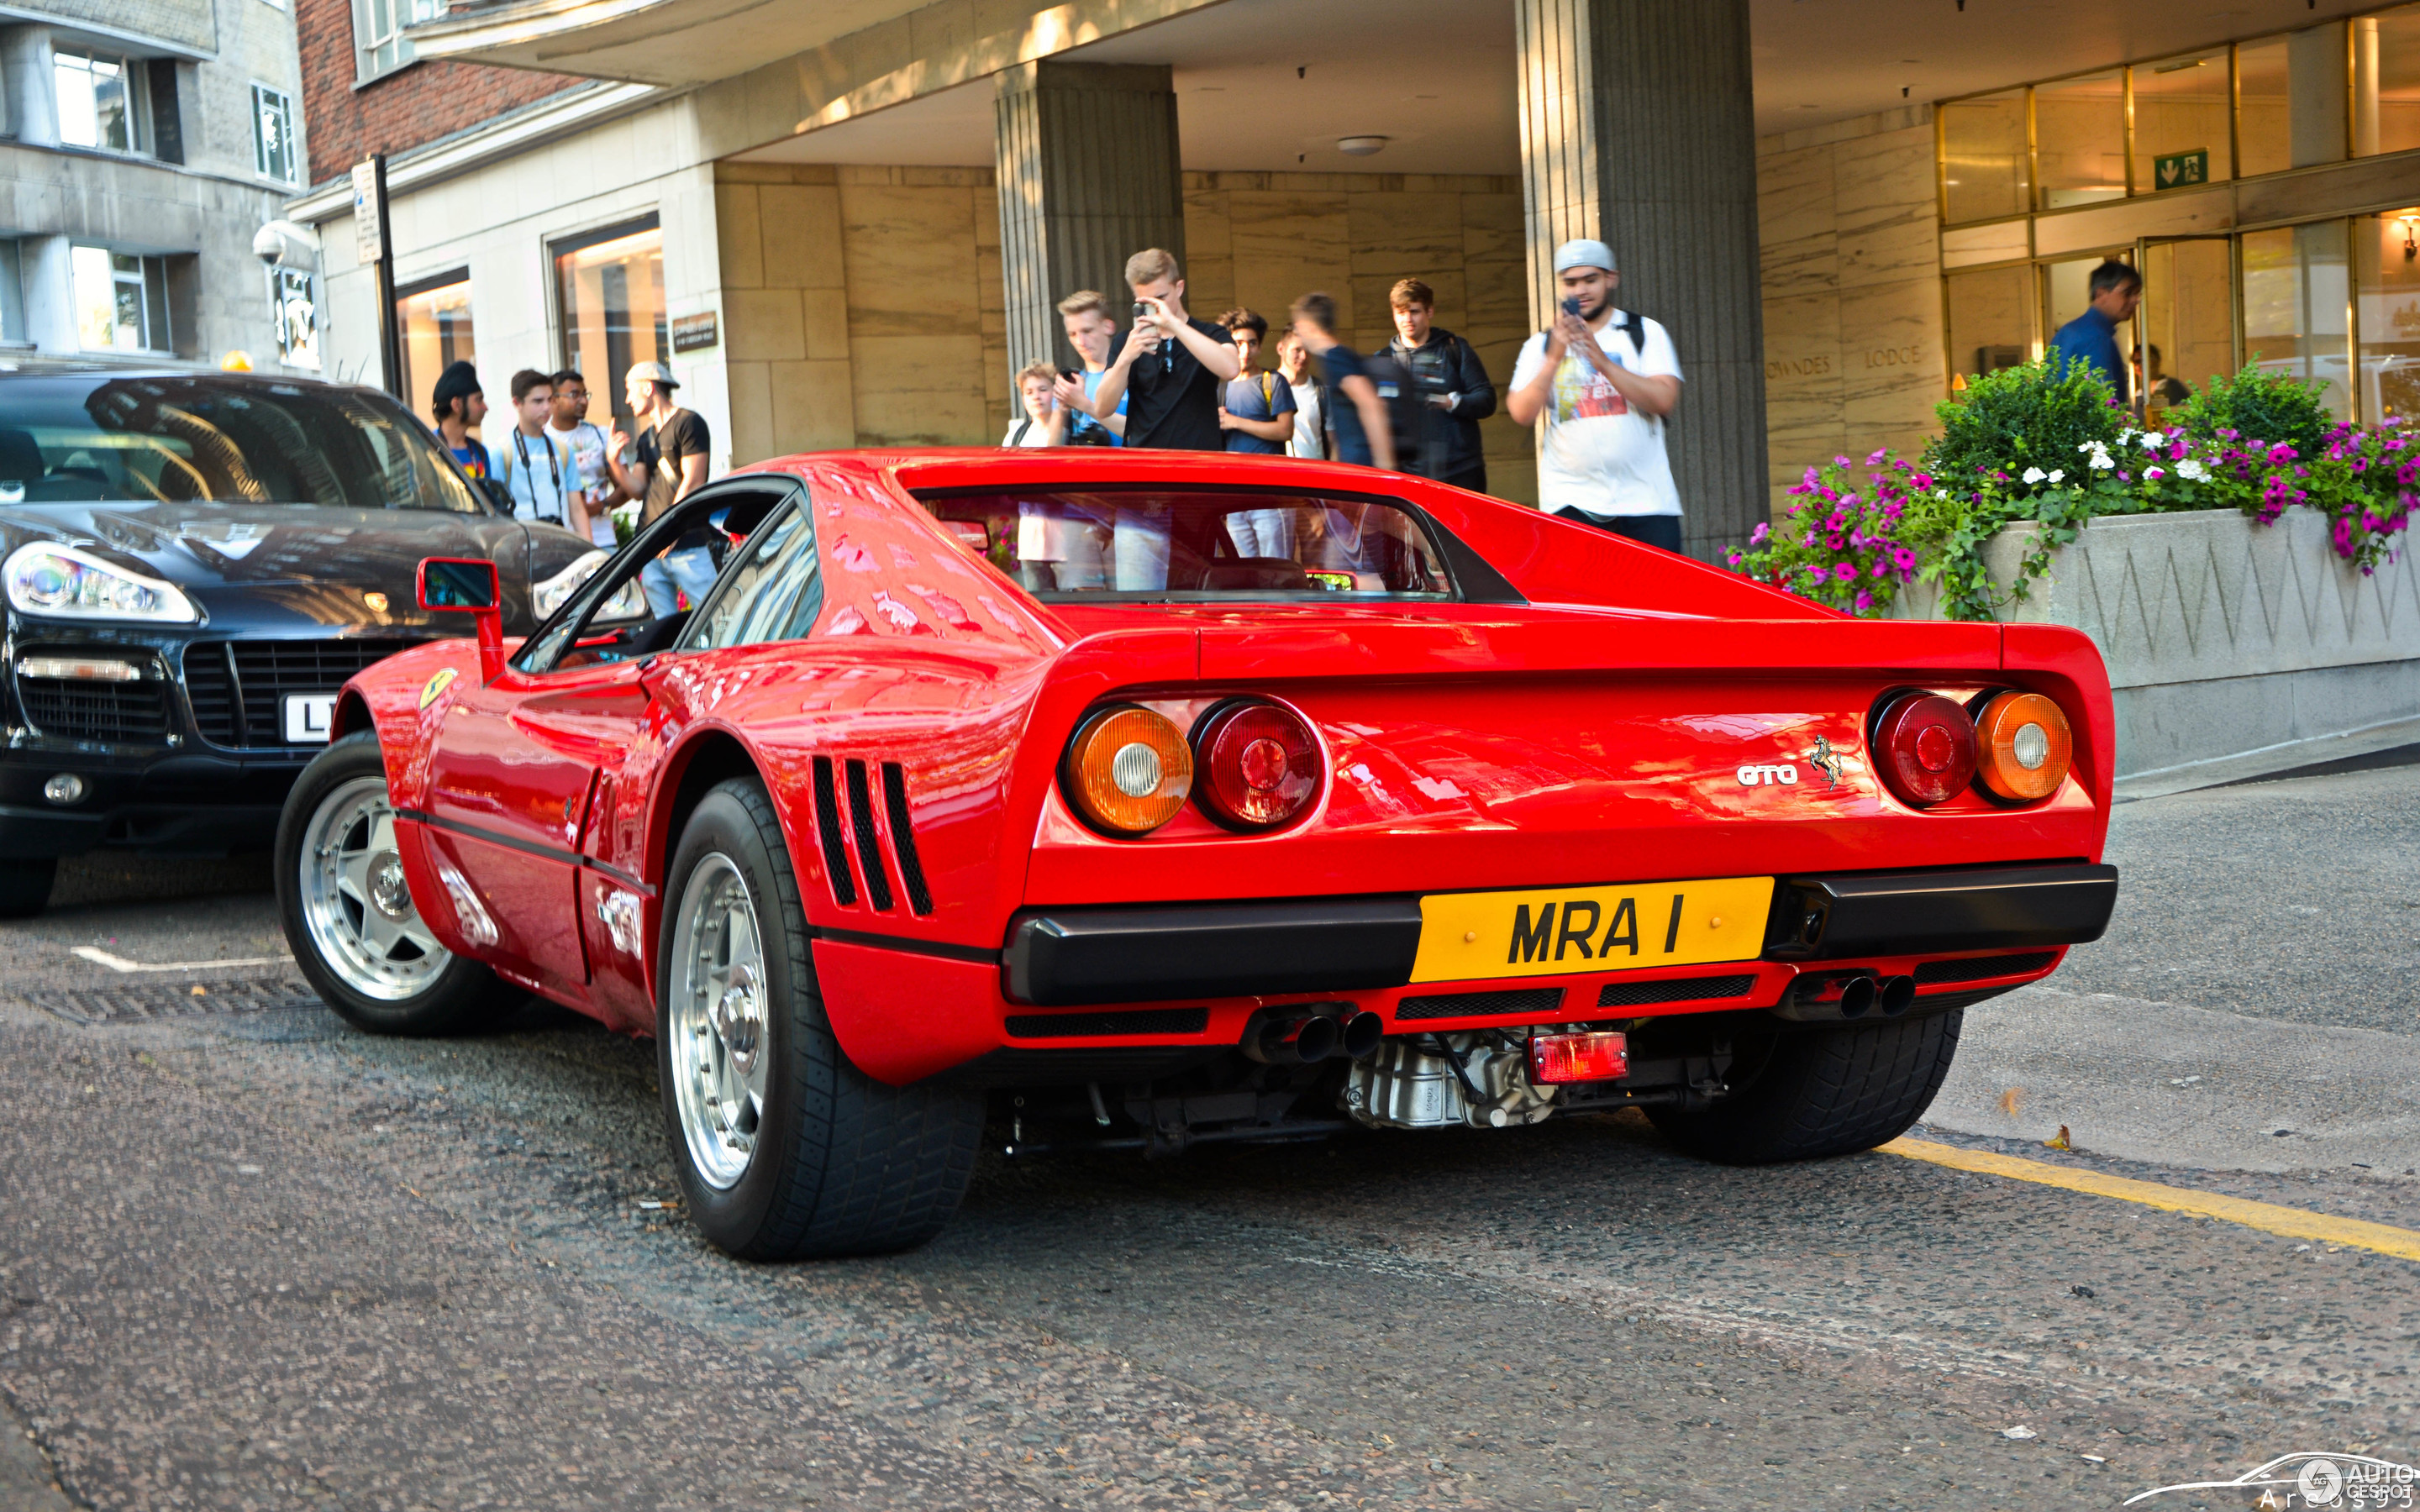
1583 253
652 373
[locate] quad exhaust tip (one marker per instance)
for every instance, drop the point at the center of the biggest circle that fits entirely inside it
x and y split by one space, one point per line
1293 1037
1893 996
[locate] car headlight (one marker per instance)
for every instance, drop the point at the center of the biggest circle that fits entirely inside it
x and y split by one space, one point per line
551 595
69 582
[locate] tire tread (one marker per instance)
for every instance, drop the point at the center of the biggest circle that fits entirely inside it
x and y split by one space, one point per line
1826 1092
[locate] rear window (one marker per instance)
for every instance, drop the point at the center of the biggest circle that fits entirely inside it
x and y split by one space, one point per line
1166 546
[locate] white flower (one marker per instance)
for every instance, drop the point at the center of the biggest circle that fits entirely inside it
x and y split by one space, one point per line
2153 440
2190 470
2154 472
2086 446
2033 474
2102 462
2057 474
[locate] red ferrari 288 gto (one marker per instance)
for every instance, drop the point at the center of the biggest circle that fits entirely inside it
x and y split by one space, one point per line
1194 798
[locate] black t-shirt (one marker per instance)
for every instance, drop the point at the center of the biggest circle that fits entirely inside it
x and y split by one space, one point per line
1173 405
1338 364
660 450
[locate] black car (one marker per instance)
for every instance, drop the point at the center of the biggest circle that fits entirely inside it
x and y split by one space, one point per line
193 563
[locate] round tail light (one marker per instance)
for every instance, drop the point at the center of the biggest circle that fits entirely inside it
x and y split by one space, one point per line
2025 746
1259 764
1927 745
1129 770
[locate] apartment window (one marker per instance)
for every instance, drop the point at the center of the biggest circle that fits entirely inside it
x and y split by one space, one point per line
610 289
102 102
121 300
434 317
272 134
379 42
294 309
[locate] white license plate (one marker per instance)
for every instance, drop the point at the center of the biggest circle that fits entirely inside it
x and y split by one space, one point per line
307 718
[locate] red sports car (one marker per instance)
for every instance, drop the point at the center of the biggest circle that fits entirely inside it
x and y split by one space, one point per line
1192 798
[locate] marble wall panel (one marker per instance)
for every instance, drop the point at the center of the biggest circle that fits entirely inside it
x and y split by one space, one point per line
824 322
752 411
1288 242
801 229
1888 212
811 406
919 390
1797 221
763 324
910 254
1403 235
741 249
1892 373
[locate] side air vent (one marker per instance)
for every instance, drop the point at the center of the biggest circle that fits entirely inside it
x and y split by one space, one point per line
827 827
869 848
903 836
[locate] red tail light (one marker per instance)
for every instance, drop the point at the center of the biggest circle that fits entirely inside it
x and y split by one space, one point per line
1596 1056
1926 743
1256 763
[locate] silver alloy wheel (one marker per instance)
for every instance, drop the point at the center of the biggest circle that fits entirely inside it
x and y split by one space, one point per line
716 1022
355 903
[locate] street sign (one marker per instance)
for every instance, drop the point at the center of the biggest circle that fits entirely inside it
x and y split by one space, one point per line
2178 169
695 332
369 228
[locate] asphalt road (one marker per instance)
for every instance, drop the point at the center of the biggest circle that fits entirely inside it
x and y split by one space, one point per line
253 1259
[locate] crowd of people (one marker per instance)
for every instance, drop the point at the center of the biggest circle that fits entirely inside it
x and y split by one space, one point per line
1603 380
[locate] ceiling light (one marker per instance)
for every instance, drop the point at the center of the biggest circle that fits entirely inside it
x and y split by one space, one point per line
1359 146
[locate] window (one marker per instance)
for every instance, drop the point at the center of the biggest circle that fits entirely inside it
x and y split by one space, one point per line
272 134
2389 312
379 43
434 318
2294 289
12 295
2080 140
2181 115
770 594
102 102
610 288
295 310
121 300
2386 81
1984 162
2067 292
2264 110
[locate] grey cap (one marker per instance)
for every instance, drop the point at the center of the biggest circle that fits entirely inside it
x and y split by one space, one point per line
653 372
1583 253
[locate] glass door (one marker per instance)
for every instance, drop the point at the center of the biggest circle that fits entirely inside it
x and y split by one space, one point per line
2184 329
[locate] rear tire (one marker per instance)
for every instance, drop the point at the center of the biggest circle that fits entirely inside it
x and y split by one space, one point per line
354 929
1822 1092
25 886
785 1151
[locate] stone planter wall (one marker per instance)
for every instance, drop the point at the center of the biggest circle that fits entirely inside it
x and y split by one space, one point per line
2225 638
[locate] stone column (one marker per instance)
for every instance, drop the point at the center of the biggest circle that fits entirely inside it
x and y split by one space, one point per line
1637 127
1087 176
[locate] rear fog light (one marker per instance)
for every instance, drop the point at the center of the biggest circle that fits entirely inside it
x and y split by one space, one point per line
1599 1056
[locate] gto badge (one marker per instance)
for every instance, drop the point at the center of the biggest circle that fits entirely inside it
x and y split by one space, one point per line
439 683
1782 775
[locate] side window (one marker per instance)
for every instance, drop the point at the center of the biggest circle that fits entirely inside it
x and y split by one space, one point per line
762 595
640 602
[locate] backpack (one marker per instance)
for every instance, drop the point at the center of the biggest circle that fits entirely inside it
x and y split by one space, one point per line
1405 412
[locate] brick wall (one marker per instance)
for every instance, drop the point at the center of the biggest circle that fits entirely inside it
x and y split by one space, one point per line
414 105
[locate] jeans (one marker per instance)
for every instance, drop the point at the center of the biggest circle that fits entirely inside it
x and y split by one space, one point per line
688 570
1263 533
1659 531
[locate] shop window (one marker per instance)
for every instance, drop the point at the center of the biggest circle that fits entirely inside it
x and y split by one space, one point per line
102 102
1984 168
1990 320
609 289
2294 304
2181 123
294 308
121 300
434 318
272 134
2386 81
2389 312
2080 140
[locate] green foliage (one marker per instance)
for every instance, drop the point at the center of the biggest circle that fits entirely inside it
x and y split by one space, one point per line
2022 418
2259 405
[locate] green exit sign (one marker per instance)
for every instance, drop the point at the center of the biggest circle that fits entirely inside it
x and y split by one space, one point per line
2178 169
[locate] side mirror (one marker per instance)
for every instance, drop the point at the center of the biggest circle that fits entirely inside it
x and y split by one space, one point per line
498 495
467 585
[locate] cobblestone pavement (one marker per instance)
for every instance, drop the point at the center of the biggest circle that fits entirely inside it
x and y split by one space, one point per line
255 1259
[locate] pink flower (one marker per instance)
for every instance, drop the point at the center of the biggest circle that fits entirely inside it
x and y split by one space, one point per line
1756 536
1865 602
1845 572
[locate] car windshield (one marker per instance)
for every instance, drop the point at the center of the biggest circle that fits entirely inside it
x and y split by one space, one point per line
1157 544
91 438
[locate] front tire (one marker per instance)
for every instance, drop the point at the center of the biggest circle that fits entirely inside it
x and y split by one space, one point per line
352 924
1821 1092
785 1149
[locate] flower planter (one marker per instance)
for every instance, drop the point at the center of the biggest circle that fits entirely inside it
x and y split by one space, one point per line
2232 647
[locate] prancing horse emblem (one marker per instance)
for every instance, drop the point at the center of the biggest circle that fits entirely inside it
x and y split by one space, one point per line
1826 761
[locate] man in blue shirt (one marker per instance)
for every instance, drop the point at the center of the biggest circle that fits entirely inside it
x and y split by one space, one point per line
2091 338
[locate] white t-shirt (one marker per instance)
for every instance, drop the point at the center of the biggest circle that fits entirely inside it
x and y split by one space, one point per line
1034 433
586 442
1600 454
1309 422
539 474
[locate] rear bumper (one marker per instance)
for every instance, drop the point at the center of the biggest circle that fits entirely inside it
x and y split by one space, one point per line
1071 957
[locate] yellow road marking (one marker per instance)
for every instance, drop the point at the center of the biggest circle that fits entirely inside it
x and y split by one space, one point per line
2293 1222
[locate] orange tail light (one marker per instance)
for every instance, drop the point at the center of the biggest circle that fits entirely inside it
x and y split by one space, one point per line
2024 745
1129 770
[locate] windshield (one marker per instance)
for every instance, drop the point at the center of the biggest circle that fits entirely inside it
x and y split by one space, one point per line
1151 544
86 437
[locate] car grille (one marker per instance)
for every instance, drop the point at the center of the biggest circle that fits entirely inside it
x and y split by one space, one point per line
238 688
74 709
1478 1005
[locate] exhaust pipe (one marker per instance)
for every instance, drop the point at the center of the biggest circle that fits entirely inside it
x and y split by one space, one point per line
1317 1041
1362 1033
1857 995
1897 996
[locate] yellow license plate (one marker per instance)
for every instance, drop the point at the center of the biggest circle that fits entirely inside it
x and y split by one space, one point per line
1556 930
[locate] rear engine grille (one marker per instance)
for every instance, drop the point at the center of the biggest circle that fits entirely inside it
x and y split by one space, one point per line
1124 1021
70 708
1687 990
1480 1004
1982 967
239 687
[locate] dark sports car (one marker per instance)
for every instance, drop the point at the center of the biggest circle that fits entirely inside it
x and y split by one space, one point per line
193 563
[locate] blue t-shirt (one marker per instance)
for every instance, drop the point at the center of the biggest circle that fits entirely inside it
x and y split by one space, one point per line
1339 362
1079 432
2091 339
1258 397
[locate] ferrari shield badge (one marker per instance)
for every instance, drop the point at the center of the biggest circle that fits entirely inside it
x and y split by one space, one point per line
435 685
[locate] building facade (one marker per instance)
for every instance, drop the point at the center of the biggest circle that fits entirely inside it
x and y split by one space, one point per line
148 142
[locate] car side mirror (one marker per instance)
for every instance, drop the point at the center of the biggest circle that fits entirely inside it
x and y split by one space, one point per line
498 495
467 585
